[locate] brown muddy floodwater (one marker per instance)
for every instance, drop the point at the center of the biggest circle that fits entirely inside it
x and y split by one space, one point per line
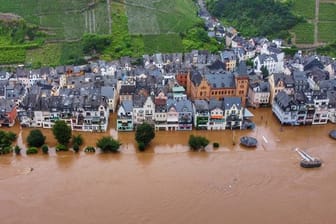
169 184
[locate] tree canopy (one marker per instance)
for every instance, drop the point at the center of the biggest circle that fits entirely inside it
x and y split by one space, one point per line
62 132
95 43
144 134
6 139
256 18
35 138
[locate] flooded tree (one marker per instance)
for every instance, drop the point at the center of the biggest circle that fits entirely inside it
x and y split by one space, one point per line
62 132
144 134
6 139
35 138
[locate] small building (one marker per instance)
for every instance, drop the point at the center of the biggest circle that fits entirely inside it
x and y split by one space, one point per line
8 113
234 112
125 116
285 108
201 114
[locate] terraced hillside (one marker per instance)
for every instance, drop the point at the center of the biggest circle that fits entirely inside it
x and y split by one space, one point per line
62 19
321 22
160 16
135 27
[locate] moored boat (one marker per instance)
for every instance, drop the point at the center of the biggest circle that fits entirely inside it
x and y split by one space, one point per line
310 164
308 161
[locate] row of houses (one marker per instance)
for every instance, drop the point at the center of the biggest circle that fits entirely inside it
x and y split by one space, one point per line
171 90
82 94
182 114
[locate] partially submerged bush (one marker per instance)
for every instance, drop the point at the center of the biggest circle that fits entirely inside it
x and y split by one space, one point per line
45 149
75 147
32 150
197 142
90 149
17 150
61 147
141 146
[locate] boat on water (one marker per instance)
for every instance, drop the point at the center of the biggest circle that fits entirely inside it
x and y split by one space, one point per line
332 134
308 161
248 141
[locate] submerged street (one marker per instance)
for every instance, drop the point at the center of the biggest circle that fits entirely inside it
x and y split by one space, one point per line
170 184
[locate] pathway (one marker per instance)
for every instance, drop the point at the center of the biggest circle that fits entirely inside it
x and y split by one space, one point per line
108 2
317 10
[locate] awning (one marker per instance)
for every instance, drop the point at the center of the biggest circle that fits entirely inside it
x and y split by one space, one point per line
248 113
217 117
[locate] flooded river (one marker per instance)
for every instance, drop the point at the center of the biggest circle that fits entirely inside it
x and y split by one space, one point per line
170 184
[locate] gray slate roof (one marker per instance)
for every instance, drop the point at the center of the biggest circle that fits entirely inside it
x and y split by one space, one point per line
127 105
230 101
221 80
107 91
201 106
184 106
214 103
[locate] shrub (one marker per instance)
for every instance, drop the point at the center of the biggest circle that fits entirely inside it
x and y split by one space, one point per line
11 136
32 150
197 142
6 139
61 147
108 144
215 144
77 139
76 147
17 150
45 149
5 150
90 149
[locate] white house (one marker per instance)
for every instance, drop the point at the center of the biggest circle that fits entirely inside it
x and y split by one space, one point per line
273 63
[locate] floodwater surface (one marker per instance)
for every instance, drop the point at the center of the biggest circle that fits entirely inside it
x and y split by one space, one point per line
170 184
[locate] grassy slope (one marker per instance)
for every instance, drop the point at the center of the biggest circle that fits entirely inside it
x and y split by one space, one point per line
304 32
158 17
54 54
305 8
327 31
181 15
160 22
327 12
163 43
327 24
